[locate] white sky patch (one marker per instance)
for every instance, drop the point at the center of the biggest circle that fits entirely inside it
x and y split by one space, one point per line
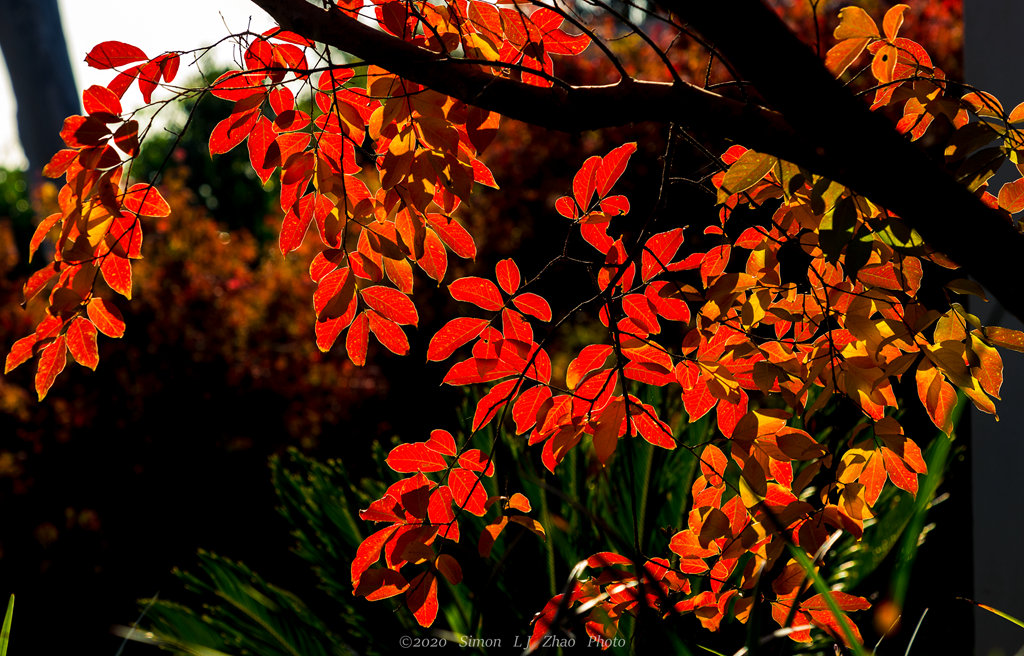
154 26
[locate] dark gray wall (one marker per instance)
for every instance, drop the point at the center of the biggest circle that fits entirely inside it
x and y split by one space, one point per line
993 62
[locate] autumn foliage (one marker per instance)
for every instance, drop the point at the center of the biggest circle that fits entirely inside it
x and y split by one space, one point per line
803 293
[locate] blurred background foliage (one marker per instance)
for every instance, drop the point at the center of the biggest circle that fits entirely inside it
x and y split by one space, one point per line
123 473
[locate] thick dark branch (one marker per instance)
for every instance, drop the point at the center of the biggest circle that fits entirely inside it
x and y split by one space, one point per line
861 148
570 109
816 123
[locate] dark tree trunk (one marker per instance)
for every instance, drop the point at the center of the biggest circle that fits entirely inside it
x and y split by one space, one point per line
33 45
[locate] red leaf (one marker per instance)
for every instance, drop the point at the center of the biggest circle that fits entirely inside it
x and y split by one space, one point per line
492 402
533 305
608 429
442 441
51 362
82 132
590 358
388 333
529 404
260 140
145 200
479 291
454 334
612 166
567 207
81 339
38 280
421 598
584 182
418 457
112 54
21 351
714 263
234 129
103 101
543 621
117 272
468 491
453 235
106 317
508 276
391 303
41 231
729 414
712 465
476 460
357 339
236 85
434 260
658 252
59 163
368 553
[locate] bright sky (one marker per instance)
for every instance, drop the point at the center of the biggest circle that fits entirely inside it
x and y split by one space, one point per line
151 25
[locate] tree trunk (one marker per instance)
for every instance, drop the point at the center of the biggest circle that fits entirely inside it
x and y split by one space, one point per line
32 40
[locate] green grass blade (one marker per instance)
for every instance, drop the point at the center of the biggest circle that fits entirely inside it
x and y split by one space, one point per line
5 633
826 593
994 611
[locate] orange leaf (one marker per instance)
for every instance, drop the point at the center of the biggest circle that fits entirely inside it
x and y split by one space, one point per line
117 272
479 291
450 568
1011 196
893 20
106 317
713 464
81 339
608 429
519 502
356 340
855 23
1005 337
421 598
490 535
391 303
51 362
900 475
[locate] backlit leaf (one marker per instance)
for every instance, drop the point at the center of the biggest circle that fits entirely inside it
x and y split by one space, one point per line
479 291
51 363
746 172
113 54
391 303
612 166
106 317
81 340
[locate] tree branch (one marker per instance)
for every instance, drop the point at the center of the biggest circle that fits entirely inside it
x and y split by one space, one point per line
861 148
573 109
813 120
